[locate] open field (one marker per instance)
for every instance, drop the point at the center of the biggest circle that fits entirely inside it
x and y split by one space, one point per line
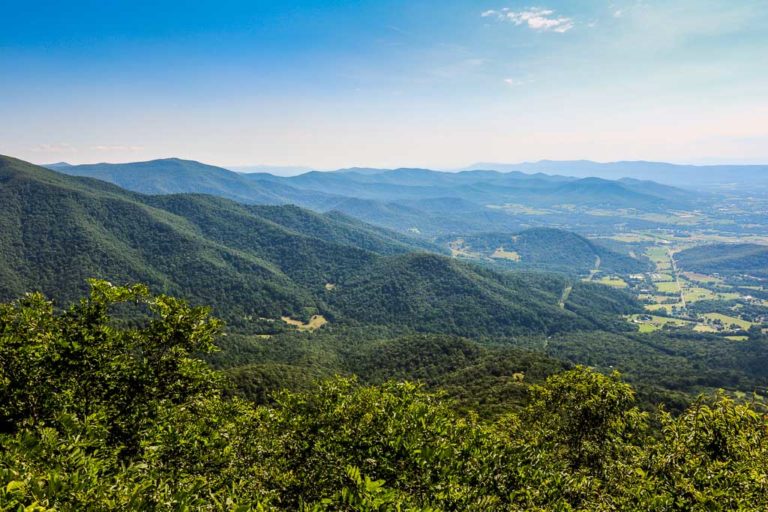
459 249
650 323
614 281
705 328
673 293
669 308
667 287
316 322
693 294
500 253
701 278
727 321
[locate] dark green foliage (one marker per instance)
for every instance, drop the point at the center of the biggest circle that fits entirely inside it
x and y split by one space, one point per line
484 378
253 262
260 382
59 231
172 442
726 259
429 293
78 362
603 305
553 250
668 368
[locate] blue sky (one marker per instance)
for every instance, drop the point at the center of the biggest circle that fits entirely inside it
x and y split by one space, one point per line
384 83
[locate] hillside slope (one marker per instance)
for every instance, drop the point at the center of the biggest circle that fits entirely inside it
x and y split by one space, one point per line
726 259
251 262
174 176
429 293
545 249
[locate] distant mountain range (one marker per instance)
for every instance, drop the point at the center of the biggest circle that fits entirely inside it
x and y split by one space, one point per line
256 262
417 200
703 177
277 170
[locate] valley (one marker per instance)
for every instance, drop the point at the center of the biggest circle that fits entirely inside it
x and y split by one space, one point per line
247 263
499 259
478 303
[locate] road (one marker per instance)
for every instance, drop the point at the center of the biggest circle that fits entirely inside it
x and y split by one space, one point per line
676 273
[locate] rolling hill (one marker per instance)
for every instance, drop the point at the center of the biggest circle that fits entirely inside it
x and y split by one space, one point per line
420 201
545 249
484 187
254 261
726 259
174 175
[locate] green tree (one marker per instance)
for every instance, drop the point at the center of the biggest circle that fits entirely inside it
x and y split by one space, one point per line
81 361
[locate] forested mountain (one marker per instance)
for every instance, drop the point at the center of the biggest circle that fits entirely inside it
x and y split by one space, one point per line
418 200
255 261
428 217
174 175
546 249
434 294
726 259
57 231
484 187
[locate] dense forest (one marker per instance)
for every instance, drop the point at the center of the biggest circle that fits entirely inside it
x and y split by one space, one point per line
254 262
726 259
107 406
547 249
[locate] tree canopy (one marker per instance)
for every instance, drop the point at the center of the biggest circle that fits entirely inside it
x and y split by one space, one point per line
108 406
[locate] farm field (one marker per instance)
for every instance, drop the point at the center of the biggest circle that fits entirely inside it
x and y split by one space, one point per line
701 278
613 281
688 299
651 323
669 308
500 253
316 322
669 287
727 320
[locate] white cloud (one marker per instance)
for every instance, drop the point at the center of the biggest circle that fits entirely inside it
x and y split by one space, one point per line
535 18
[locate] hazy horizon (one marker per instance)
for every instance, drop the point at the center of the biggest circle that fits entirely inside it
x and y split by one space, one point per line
291 170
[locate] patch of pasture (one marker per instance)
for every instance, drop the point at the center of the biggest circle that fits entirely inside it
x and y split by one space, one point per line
500 253
316 322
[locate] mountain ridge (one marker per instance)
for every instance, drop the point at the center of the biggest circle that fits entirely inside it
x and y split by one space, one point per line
254 261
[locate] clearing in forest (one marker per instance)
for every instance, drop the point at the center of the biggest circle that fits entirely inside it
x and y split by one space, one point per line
500 253
316 322
650 323
728 322
613 281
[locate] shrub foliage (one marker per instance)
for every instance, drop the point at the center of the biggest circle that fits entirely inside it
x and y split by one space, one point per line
108 406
